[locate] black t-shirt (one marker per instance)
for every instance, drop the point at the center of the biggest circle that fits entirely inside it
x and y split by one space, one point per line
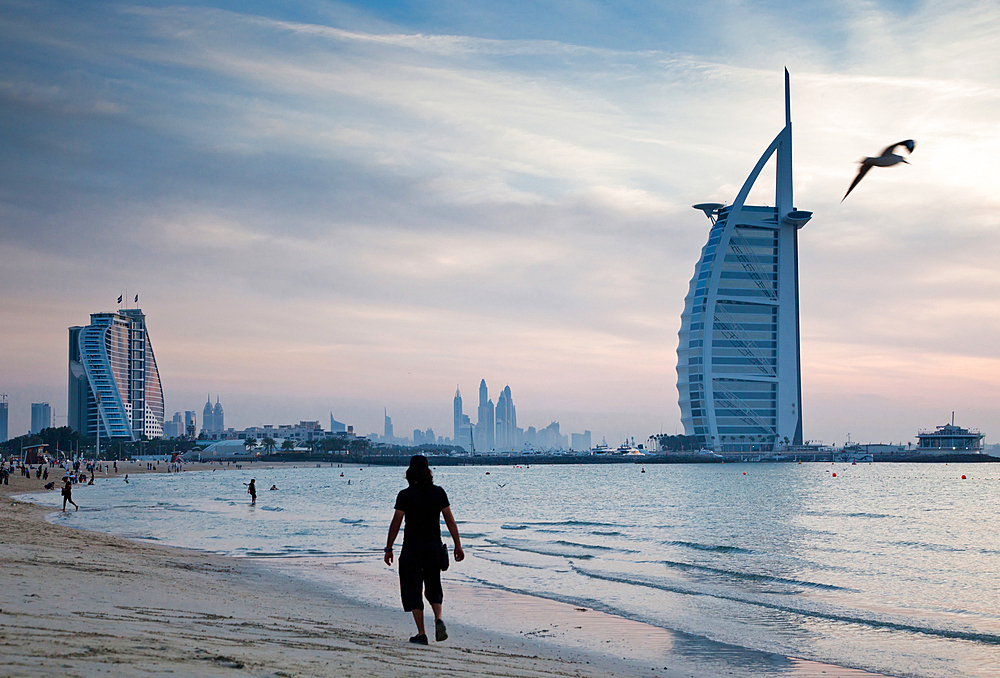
422 504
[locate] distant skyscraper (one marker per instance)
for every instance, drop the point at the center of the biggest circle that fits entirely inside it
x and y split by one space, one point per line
457 408
220 416
485 426
388 425
190 423
506 421
41 416
580 441
336 426
208 417
175 427
3 418
113 379
738 366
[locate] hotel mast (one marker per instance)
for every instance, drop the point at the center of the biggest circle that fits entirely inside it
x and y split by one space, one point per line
738 365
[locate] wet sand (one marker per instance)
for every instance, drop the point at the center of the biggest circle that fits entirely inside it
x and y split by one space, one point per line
76 603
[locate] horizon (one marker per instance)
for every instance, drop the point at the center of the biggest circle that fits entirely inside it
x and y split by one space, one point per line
349 206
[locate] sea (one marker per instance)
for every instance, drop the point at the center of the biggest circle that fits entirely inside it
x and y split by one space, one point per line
888 568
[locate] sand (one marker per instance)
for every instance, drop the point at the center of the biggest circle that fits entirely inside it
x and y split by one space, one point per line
77 603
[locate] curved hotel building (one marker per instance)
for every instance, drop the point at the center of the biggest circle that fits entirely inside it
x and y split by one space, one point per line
738 367
113 380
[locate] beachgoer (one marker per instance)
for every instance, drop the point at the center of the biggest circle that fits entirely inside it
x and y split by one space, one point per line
274 487
422 504
252 491
67 494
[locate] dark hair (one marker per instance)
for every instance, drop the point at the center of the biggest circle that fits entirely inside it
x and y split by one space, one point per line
419 471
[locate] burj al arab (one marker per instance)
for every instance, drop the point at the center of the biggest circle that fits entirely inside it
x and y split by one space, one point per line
739 377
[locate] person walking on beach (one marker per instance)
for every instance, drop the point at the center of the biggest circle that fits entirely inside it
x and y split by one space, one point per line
67 495
422 504
252 491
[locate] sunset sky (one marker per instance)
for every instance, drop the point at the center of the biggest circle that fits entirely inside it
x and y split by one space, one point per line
356 206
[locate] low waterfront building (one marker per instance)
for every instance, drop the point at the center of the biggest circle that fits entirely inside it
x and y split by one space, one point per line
949 439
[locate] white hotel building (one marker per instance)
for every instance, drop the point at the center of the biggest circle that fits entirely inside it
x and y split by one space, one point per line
738 366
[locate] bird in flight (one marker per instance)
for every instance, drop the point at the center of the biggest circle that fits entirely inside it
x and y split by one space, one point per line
886 159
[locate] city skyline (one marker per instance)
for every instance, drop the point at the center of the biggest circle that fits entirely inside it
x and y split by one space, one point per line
347 207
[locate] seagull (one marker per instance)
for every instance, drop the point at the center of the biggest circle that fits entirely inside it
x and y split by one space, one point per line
886 159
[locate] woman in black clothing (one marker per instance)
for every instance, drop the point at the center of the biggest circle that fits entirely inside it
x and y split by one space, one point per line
422 504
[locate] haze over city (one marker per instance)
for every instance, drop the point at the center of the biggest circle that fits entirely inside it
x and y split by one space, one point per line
349 207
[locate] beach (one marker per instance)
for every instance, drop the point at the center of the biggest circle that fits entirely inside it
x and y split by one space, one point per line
78 603
83 603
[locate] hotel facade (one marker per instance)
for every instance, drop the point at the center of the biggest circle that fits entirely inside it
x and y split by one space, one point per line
738 363
114 385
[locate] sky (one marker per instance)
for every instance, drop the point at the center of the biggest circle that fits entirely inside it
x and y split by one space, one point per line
345 207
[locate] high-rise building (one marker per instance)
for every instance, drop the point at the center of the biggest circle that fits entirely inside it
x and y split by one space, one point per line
506 421
208 417
3 418
738 367
388 426
580 441
191 424
336 426
485 431
457 410
220 416
114 384
175 427
41 416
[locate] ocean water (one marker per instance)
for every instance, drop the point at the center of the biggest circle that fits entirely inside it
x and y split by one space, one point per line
891 568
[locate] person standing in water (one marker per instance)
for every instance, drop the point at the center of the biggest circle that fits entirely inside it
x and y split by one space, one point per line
67 494
252 491
422 504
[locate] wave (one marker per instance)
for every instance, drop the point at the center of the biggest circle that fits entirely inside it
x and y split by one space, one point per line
843 617
751 576
715 548
271 508
287 552
352 521
595 547
513 527
606 533
540 549
510 564
574 523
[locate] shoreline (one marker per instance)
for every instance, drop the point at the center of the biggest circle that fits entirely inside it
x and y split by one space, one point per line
81 603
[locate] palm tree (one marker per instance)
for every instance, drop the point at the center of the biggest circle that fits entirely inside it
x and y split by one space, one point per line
288 445
250 443
269 443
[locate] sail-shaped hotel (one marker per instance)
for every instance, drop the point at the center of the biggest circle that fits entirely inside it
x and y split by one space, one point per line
738 366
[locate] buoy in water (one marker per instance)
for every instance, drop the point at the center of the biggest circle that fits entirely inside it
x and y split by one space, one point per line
744 473
963 477
834 475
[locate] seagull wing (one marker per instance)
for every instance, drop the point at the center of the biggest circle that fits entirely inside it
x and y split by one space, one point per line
910 144
861 175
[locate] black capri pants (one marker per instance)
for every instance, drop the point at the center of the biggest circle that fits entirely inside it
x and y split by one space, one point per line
420 572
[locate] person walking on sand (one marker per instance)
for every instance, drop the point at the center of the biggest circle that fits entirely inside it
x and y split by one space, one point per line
252 491
67 495
422 504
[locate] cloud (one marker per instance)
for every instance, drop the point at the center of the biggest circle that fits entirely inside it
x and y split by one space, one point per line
362 205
